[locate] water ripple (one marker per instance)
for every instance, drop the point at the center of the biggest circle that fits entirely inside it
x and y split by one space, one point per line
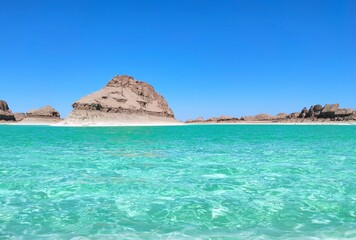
191 182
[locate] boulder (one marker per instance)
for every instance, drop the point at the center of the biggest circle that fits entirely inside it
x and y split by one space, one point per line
317 109
303 113
314 111
293 115
5 112
310 112
329 110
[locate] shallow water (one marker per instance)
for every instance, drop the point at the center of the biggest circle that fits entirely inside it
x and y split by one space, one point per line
181 182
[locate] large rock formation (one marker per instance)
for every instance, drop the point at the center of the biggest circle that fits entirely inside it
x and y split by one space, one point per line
5 112
123 100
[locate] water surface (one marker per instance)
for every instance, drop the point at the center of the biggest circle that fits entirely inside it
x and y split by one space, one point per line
178 182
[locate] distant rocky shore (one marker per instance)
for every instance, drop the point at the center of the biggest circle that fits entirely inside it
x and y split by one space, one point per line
123 101
316 113
126 101
43 115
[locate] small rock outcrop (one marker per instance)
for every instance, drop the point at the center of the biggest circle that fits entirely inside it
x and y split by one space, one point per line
221 119
197 120
331 112
266 117
4 106
42 115
293 115
314 111
303 113
122 100
259 117
328 111
344 112
44 112
5 112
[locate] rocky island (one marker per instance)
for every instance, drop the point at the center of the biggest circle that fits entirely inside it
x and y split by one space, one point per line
123 101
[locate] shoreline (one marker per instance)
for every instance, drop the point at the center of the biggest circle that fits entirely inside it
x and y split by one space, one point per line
276 123
161 124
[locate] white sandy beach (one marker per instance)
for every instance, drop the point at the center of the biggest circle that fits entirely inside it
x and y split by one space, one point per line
155 123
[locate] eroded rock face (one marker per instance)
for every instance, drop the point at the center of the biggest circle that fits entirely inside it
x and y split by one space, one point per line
5 112
197 120
259 117
123 98
3 106
314 111
317 109
329 110
127 95
303 113
223 119
45 112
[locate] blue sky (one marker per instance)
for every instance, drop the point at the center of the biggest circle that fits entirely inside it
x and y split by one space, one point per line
207 58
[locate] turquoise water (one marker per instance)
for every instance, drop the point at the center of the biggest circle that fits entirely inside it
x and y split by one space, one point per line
183 182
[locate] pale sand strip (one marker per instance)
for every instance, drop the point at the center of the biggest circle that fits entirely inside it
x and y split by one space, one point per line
116 124
167 123
276 123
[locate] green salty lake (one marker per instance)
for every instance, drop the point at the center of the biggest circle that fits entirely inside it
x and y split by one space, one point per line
178 182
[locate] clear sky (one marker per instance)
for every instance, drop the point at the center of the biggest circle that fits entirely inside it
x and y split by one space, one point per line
207 58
